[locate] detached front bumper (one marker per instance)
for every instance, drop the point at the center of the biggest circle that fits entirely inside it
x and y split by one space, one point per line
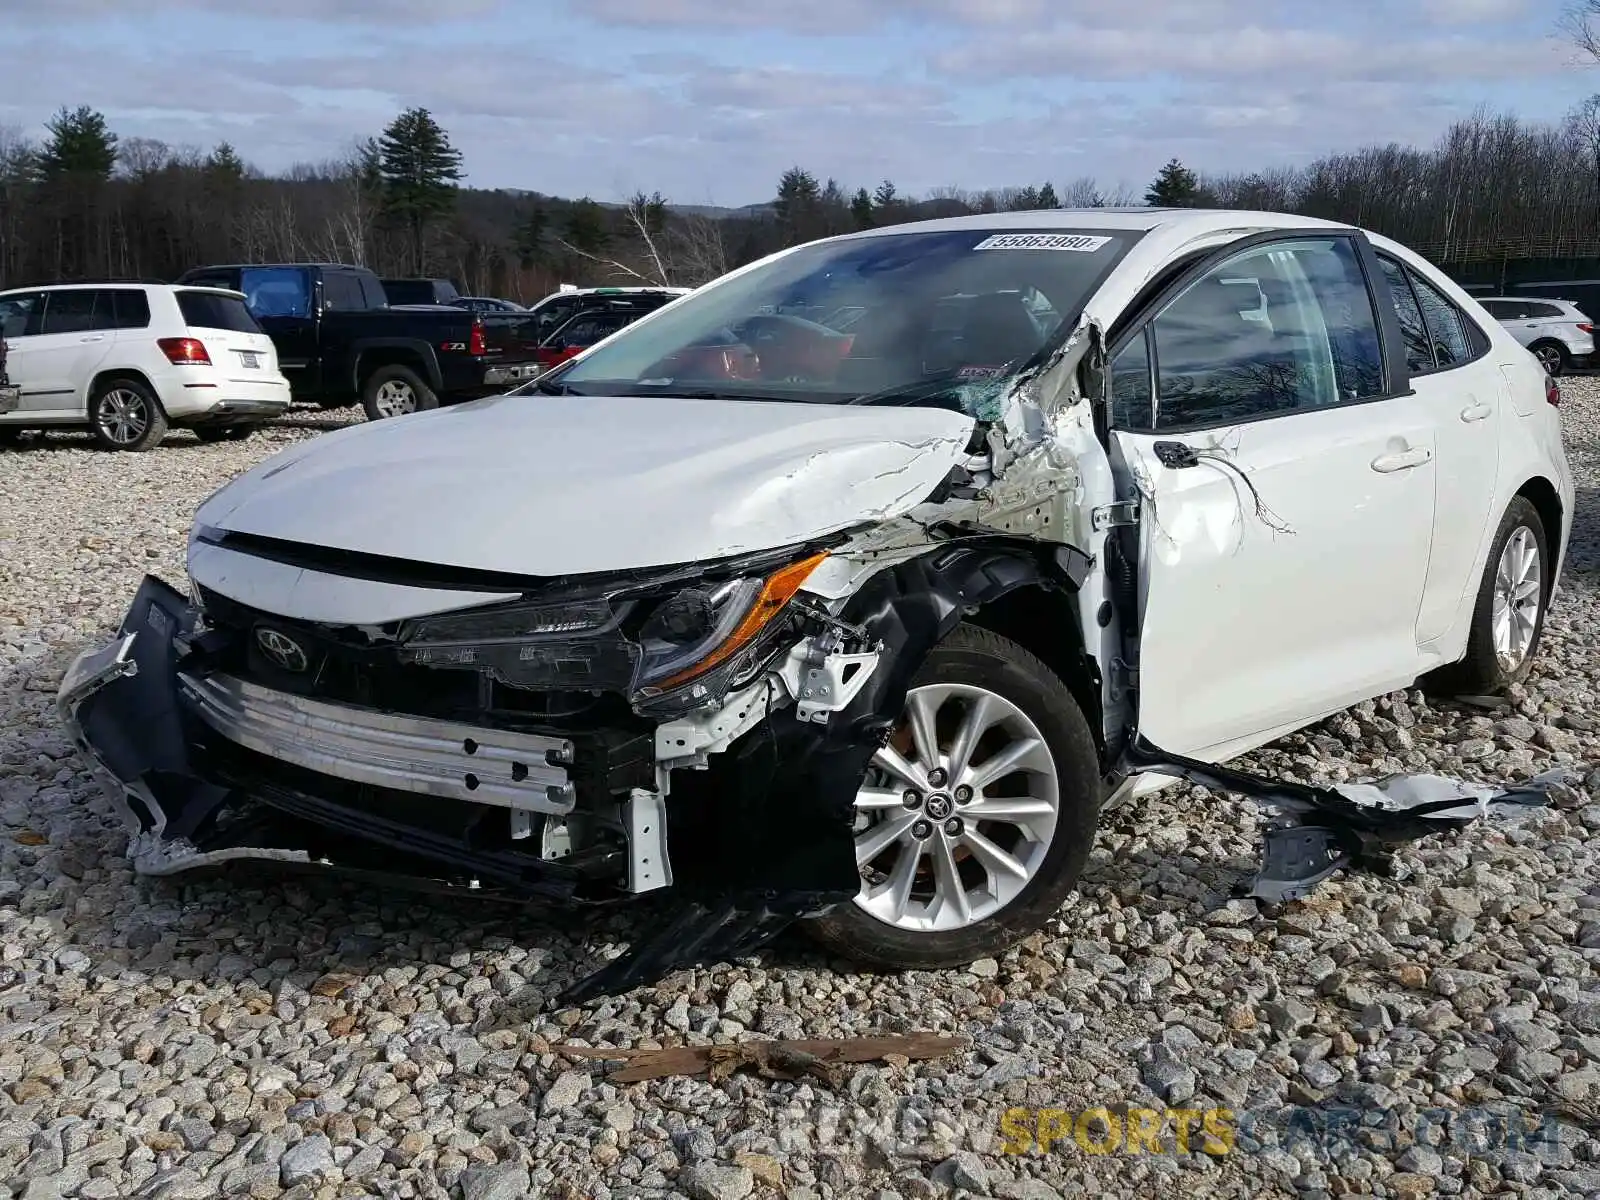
206 769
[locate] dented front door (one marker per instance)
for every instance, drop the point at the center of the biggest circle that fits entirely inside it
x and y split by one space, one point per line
1286 509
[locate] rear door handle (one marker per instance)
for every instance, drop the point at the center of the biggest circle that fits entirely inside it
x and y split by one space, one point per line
93 337
1402 460
1476 412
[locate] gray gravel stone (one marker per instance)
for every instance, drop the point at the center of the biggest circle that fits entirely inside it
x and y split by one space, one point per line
716 1181
306 1161
504 1181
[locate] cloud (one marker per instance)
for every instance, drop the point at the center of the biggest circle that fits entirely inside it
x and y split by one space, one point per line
1249 55
385 12
710 101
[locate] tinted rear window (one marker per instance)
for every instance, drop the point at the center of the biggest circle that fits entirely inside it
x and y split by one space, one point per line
210 311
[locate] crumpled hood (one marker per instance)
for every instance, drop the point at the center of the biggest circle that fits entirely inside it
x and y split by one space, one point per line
558 485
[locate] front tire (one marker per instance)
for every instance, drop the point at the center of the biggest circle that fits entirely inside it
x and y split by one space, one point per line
395 391
125 415
1553 357
1508 618
975 822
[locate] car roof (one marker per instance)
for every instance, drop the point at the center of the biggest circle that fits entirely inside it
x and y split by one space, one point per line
1557 300
1138 220
123 283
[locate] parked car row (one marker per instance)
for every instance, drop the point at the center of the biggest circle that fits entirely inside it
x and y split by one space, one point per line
230 346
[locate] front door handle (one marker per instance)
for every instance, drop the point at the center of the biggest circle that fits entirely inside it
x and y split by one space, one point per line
1402 460
93 337
1476 412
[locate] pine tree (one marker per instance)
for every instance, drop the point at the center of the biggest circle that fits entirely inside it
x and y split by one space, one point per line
861 209
1047 196
419 169
798 205
530 235
224 164
586 227
79 147
886 196
1175 186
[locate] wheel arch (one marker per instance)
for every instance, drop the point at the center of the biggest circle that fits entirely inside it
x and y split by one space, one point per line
1546 500
413 355
1044 621
110 375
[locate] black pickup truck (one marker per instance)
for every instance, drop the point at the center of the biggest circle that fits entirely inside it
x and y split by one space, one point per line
339 340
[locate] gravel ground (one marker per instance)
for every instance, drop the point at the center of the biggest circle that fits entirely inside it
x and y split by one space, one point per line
265 1036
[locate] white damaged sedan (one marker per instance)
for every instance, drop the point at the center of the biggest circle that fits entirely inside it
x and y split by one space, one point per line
850 587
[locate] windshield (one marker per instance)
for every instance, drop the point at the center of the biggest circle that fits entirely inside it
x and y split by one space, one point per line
939 318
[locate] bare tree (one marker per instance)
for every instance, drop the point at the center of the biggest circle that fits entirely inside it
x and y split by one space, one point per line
1580 23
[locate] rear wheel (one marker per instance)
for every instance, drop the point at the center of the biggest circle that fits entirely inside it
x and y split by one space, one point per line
1508 618
224 433
394 391
975 821
126 415
1553 356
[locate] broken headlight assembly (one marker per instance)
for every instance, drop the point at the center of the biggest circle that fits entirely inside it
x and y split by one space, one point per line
669 651
701 642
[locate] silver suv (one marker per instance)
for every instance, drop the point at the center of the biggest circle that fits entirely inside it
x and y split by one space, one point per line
1557 331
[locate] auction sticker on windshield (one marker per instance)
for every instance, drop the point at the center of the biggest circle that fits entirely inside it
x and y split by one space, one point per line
1042 241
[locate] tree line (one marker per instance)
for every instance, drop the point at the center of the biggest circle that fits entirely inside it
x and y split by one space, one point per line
85 203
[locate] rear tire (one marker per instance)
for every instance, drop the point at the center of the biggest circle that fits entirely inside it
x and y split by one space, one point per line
395 391
1553 357
224 433
1508 618
125 415
958 899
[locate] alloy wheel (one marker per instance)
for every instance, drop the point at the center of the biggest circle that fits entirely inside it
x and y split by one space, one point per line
1550 357
123 416
395 398
1518 595
957 812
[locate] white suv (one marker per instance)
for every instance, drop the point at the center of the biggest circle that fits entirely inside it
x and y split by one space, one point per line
1558 332
129 360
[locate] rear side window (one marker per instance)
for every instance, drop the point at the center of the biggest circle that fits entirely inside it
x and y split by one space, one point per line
1447 328
372 292
207 310
129 309
1538 311
77 310
276 291
342 292
1501 310
1413 329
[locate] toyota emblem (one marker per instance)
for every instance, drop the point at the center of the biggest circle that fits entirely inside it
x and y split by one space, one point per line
282 650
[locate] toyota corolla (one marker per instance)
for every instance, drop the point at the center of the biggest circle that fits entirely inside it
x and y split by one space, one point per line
862 622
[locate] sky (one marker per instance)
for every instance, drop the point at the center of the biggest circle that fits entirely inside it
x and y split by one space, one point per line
708 101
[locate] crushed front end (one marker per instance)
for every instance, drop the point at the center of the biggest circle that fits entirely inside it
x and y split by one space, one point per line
526 746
